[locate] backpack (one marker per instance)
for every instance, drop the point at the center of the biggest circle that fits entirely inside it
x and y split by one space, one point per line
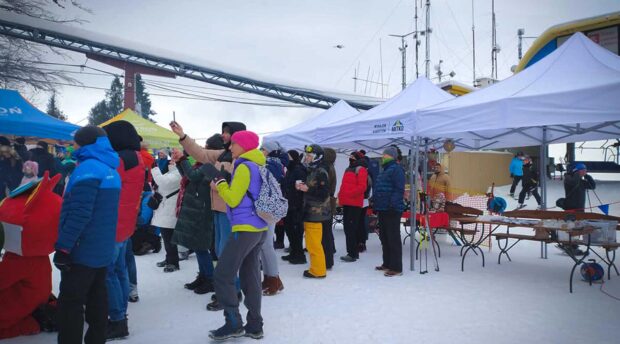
270 205
368 181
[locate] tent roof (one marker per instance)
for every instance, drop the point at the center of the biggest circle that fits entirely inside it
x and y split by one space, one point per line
573 92
156 136
303 133
390 122
20 118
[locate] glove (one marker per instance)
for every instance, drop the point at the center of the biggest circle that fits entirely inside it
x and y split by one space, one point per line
212 173
62 261
226 174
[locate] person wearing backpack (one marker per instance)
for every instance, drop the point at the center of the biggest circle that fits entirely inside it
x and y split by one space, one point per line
316 208
249 231
271 282
351 199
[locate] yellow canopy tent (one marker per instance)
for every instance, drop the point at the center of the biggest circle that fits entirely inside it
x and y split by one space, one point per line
155 135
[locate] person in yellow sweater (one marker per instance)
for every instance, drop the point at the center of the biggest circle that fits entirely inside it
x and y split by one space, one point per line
438 184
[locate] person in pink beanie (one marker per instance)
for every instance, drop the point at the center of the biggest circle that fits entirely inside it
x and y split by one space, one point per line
241 253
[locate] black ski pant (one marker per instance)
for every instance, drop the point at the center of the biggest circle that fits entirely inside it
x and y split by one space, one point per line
172 252
362 225
350 219
82 292
515 182
280 233
294 226
240 255
533 190
327 241
389 234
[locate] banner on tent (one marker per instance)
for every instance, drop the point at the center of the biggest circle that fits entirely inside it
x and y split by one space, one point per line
388 127
13 110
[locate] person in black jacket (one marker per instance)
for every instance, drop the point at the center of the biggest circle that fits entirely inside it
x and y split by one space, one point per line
293 222
576 184
529 182
21 149
41 155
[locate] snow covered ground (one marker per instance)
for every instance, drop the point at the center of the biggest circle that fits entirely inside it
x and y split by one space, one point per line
523 301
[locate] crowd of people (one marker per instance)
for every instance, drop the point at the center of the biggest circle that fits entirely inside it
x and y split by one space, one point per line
120 201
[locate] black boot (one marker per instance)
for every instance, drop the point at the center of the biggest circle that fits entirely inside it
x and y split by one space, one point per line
197 282
205 287
117 330
156 245
214 305
161 264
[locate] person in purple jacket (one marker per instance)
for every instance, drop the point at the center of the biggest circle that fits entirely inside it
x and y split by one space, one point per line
249 231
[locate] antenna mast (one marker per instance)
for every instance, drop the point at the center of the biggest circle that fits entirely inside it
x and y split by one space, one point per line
473 40
428 39
495 48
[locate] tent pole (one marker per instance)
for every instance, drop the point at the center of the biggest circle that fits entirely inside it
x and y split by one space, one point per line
543 169
413 170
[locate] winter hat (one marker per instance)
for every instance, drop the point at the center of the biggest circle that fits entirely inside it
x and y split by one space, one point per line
42 144
248 140
215 142
88 135
391 151
579 166
123 136
33 165
357 155
271 146
295 157
233 127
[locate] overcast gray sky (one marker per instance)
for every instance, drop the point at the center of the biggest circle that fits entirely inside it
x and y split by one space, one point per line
294 40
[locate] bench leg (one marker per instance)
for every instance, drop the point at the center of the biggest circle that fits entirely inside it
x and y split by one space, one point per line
611 263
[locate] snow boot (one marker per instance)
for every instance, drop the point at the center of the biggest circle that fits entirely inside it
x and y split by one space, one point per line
227 331
171 268
273 285
392 273
307 274
117 330
161 264
254 332
348 259
193 285
215 306
381 268
205 287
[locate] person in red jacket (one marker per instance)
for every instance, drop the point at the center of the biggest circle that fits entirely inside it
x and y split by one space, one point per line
126 142
351 198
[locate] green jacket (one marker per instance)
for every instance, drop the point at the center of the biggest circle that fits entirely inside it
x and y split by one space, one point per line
194 228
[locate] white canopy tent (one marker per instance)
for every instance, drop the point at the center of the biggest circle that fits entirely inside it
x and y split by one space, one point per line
571 95
304 133
389 123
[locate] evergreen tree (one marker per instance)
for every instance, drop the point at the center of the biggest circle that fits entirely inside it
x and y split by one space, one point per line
53 110
143 102
99 113
115 97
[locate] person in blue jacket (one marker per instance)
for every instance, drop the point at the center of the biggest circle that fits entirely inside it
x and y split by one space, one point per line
388 200
86 238
516 172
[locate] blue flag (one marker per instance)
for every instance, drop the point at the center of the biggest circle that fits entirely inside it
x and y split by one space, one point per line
604 208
